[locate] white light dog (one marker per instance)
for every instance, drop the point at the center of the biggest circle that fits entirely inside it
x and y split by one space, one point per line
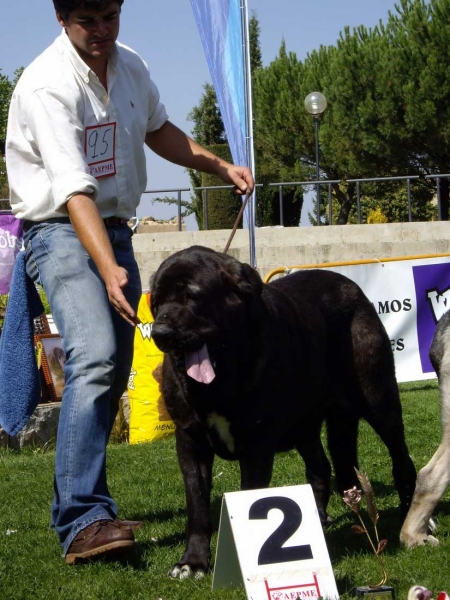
434 478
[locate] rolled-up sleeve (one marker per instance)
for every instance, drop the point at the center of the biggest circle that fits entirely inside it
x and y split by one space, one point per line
156 109
57 140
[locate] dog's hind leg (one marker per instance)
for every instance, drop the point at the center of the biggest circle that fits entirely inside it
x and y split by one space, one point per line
342 434
256 466
374 396
432 481
318 473
389 426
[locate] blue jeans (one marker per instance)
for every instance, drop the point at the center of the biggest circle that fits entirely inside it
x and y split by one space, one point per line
98 345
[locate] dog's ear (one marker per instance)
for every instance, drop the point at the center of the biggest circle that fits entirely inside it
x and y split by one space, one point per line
244 279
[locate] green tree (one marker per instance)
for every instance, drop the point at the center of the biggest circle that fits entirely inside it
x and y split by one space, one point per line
420 38
377 83
391 199
390 96
254 32
276 142
208 131
208 127
222 205
6 90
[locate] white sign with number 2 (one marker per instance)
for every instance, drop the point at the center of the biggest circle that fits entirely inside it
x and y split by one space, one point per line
272 541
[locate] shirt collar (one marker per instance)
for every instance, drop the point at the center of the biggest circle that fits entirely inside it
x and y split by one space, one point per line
78 63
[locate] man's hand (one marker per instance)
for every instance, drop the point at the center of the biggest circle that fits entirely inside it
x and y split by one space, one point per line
115 279
240 177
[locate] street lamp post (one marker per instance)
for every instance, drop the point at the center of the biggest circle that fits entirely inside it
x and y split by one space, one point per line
315 104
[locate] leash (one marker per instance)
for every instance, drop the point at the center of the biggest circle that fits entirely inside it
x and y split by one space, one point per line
238 218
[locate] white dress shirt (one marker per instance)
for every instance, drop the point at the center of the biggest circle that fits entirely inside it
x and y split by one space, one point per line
67 134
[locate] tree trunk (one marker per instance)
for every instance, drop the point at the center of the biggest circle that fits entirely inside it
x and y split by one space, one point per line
444 194
345 199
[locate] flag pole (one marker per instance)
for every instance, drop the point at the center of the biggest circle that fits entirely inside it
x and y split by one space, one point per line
249 127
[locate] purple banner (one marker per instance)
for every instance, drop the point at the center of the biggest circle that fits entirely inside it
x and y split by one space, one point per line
432 283
11 234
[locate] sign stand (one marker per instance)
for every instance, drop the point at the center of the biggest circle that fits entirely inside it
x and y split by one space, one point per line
227 570
271 541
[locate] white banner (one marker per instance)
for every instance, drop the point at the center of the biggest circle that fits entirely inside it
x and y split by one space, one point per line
409 296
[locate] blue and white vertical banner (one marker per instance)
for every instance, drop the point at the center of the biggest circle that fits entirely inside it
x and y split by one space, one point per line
220 26
223 28
409 296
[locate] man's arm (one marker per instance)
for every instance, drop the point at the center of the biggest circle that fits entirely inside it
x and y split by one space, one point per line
174 145
91 232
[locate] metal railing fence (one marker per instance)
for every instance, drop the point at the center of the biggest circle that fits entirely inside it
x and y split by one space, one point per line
170 191
438 187
316 183
358 182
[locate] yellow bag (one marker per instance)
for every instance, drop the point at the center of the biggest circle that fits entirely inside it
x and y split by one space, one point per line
149 419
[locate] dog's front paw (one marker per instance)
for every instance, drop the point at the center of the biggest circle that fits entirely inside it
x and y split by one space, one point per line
420 539
185 571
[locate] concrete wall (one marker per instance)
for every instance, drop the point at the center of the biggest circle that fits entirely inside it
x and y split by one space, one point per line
151 225
277 246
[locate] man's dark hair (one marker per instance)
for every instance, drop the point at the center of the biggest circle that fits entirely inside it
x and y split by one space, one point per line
66 7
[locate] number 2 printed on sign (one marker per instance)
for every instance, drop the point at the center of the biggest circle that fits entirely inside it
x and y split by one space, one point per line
272 550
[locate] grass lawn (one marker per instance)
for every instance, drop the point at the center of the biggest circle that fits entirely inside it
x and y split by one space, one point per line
146 484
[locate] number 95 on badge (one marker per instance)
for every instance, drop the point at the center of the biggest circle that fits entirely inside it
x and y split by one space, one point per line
271 541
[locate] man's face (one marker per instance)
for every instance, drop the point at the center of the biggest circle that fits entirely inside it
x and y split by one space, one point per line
93 32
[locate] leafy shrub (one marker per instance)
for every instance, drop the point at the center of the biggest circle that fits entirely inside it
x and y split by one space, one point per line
376 216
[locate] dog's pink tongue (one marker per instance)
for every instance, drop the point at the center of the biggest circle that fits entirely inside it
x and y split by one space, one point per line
199 366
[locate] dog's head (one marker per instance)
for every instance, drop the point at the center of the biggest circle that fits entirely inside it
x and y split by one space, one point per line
197 296
56 360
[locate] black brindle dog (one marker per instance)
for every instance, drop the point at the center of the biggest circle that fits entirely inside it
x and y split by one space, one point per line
251 369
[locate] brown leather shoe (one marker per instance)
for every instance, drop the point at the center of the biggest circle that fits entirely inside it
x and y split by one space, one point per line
98 539
127 524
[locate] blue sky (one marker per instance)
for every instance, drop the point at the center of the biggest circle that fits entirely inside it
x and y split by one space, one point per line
165 35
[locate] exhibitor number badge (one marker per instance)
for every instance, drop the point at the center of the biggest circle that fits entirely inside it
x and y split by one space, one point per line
100 149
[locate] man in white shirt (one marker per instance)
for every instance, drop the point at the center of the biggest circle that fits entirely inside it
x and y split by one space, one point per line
78 121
